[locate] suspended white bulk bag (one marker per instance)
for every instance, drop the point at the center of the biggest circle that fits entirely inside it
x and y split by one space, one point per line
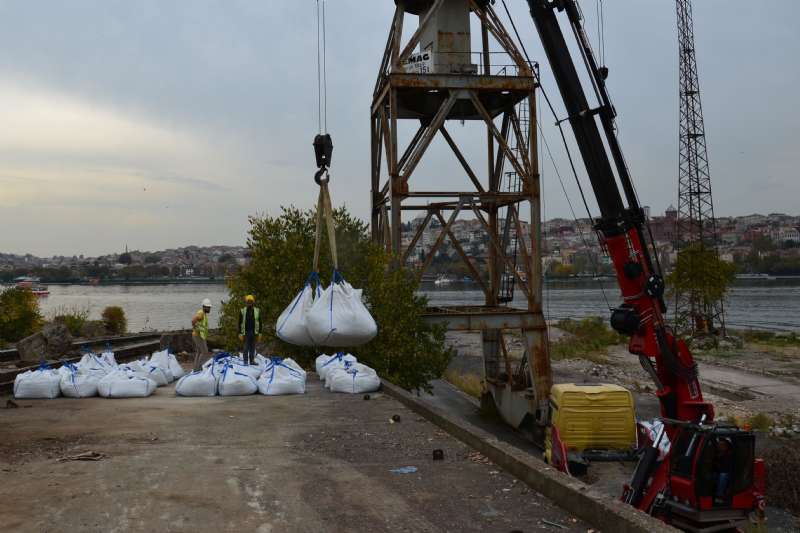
235 383
337 360
291 326
78 384
282 376
357 379
340 318
125 384
168 361
40 383
198 383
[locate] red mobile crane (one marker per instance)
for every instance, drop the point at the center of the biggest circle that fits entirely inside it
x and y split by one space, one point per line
710 479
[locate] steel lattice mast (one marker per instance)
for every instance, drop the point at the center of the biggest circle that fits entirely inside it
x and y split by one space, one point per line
696 225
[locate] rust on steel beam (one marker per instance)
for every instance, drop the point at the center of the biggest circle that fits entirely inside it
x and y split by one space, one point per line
417 236
473 194
414 40
387 52
480 318
459 81
464 257
503 256
427 138
521 141
453 146
494 182
439 240
492 22
411 145
526 258
500 140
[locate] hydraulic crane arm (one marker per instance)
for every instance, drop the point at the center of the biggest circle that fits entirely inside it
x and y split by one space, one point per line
621 231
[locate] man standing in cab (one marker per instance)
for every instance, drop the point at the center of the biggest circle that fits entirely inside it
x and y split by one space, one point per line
250 328
200 334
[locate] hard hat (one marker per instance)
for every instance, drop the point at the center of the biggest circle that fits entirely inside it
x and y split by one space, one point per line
249 298
206 303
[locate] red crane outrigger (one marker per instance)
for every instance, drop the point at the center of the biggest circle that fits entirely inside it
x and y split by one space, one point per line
684 487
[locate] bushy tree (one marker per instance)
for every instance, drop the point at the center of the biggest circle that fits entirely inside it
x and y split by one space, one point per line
114 319
19 314
700 271
406 351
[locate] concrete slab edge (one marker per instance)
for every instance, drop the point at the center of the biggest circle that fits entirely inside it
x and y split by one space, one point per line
596 508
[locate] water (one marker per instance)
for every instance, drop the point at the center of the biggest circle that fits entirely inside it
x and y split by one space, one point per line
165 307
147 307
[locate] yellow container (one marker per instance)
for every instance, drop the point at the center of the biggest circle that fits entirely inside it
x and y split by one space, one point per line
595 417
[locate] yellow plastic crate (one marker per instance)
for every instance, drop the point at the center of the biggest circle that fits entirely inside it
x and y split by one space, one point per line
597 417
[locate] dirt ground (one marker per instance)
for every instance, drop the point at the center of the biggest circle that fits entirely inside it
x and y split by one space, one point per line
317 462
739 384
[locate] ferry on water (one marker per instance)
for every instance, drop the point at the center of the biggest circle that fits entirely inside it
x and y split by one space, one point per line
34 285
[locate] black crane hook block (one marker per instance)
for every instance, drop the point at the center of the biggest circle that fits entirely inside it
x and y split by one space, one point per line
323 150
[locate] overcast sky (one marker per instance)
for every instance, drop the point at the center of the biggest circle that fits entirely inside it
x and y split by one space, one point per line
162 123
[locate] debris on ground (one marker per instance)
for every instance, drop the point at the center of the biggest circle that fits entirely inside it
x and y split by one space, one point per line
85 456
783 488
404 470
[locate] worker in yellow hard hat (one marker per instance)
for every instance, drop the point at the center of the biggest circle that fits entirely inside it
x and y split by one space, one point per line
250 328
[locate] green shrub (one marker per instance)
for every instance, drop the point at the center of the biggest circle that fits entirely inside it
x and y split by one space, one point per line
73 317
589 339
19 314
406 351
114 319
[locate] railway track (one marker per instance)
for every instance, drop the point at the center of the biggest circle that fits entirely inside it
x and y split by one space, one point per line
126 348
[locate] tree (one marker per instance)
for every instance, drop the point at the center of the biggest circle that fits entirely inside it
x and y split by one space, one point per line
406 351
700 272
151 259
19 314
114 319
125 258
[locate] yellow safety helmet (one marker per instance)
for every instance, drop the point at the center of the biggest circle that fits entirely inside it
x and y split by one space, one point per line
249 298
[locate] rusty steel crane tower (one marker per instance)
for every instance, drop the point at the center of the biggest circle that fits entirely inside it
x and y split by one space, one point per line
696 225
432 78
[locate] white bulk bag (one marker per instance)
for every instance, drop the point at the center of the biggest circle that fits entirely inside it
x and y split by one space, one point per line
125 384
326 363
291 326
160 375
96 363
75 383
282 376
168 361
108 357
357 379
198 383
232 382
340 318
40 383
346 366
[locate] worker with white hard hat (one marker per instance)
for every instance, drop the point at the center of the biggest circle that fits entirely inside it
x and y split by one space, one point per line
200 333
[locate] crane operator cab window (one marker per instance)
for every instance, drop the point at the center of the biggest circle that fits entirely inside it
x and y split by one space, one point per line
720 462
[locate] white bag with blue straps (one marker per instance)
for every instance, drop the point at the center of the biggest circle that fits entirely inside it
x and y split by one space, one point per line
325 363
291 326
198 383
339 317
282 376
125 383
40 383
233 382
77 382
354 378
169 362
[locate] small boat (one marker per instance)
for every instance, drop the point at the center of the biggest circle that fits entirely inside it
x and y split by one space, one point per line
33 285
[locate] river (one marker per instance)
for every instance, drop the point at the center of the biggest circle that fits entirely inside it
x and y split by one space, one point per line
773 306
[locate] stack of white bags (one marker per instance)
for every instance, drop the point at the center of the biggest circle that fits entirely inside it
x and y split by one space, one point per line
343 373
334 316
99 374
227 375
